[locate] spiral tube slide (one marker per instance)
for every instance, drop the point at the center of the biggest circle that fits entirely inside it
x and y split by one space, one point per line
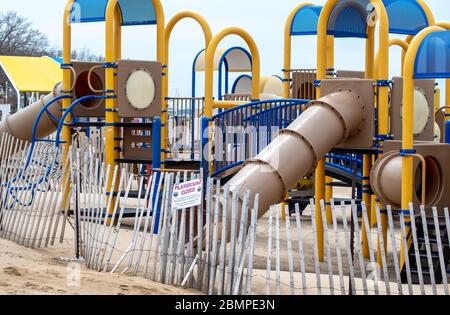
20 125
295 152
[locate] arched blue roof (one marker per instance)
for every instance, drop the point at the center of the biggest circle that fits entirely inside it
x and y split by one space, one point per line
348 19
134 12
305 21
406 17
433 57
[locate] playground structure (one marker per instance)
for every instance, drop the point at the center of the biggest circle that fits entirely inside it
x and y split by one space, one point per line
384 136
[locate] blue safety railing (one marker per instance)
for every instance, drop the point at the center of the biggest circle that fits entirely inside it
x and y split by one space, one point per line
242 132
350 164
13 186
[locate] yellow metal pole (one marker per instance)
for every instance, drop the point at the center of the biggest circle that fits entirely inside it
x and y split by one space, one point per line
117 56
408 121
367 159
329 180
113 21
367 198
322 58
110 103
67 83
446 25
161 57
288 49
383 96
382 74
404 45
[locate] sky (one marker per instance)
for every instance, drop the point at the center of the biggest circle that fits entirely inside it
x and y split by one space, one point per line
263 19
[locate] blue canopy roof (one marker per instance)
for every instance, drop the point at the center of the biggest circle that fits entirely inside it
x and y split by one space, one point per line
405 16
433 57
349 18
305 21
134 12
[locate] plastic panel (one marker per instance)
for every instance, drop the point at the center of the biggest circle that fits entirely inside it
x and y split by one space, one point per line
305 21
405 16
136 12
433 57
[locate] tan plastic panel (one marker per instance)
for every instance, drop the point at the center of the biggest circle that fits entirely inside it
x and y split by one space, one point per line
92 107
303 84
133 138
124 69
20 125
387 173
395 110
363 138
350 74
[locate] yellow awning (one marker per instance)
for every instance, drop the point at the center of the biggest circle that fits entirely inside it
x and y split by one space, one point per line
32 74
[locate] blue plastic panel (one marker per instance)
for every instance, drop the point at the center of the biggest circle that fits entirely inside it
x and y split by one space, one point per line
134 12
305 21
348 19
405 16
433 57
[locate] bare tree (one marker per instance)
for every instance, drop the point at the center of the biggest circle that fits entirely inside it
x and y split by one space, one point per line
85 54
19 38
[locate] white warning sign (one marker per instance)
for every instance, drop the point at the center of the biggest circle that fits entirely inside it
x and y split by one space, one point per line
187 194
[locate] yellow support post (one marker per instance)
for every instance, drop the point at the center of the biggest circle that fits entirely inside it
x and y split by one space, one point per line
329 180
288 49
408 121
113 48
367 159
383 96
373 221
112 53
67 83
446 25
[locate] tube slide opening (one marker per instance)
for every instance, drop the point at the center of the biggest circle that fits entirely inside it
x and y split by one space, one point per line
82 88
433 188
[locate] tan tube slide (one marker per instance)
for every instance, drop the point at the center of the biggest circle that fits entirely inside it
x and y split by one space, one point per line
20 125
294 153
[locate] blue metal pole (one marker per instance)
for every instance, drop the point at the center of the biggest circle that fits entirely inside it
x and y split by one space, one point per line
156 164
156 143
204 153
447 132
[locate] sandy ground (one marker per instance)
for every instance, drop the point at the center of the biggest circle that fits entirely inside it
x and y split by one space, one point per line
42 271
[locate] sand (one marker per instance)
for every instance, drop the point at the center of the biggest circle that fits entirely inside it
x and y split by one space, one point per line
42 271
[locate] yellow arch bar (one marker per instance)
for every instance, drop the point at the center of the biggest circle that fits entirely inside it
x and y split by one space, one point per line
209 67
408 112
207 33
396 42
